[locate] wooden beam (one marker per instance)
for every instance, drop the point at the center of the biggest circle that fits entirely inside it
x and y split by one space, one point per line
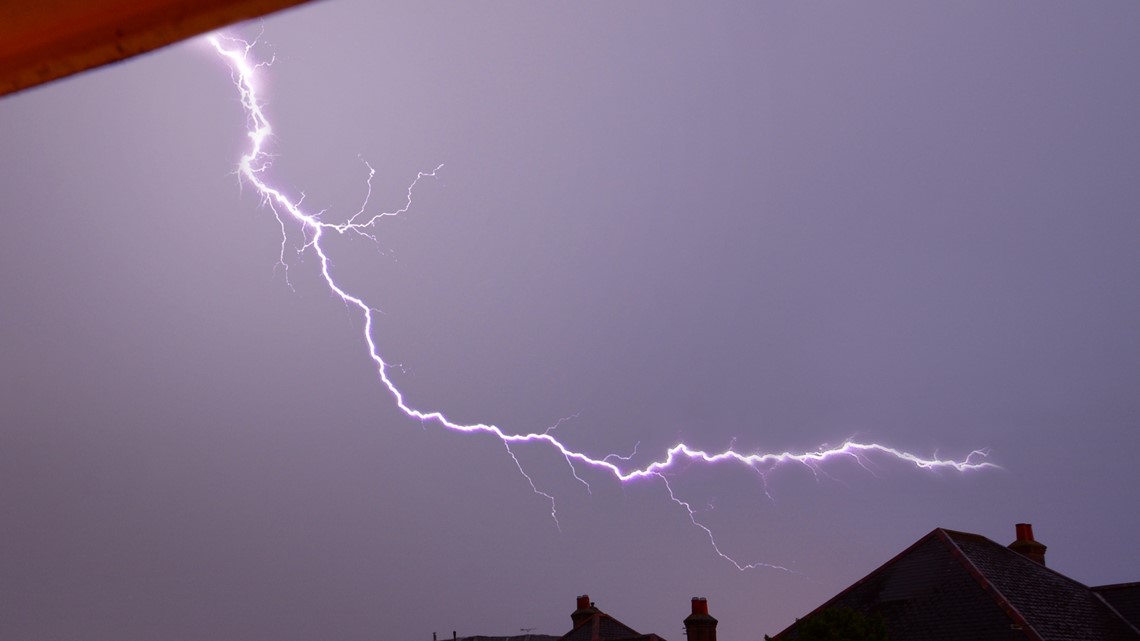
43 40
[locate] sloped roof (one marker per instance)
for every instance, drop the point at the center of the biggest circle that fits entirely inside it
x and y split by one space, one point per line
953 585
603 627
1124 598
1055 606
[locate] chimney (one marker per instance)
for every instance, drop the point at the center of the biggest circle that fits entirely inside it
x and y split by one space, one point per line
699 626
585 610
1025 544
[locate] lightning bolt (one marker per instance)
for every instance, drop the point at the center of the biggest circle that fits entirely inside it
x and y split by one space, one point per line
253 168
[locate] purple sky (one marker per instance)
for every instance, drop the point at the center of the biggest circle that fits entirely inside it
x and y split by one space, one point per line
770 224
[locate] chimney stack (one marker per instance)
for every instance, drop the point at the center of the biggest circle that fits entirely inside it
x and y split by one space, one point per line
1026 545
699 626
585 610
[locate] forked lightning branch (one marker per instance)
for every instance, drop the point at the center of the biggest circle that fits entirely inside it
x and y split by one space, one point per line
254 169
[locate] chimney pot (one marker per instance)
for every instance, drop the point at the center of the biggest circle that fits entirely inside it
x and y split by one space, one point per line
699 626
584 611
700 605
1026 545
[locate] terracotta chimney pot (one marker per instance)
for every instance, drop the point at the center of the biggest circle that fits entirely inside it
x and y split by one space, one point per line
1026 545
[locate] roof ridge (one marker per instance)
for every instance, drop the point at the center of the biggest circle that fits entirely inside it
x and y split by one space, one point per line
863 580
1114 586
615 620
594 622
987 586
1037 566
1112 609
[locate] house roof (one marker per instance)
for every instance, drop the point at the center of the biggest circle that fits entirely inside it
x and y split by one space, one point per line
955 585
517 637
1124 598
603 627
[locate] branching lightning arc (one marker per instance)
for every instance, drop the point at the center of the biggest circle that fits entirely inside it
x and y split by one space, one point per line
253 168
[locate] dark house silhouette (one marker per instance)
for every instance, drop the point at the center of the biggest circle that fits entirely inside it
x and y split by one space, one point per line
517 637
956 586
591 624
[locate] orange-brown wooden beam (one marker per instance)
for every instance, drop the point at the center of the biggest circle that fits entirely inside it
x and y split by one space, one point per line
42 40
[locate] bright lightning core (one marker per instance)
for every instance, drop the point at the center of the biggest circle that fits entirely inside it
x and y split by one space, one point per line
254 167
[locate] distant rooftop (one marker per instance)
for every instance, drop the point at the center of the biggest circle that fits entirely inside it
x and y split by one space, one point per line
520 637
955 585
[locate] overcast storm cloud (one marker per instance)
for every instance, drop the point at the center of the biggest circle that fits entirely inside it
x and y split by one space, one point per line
756 226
